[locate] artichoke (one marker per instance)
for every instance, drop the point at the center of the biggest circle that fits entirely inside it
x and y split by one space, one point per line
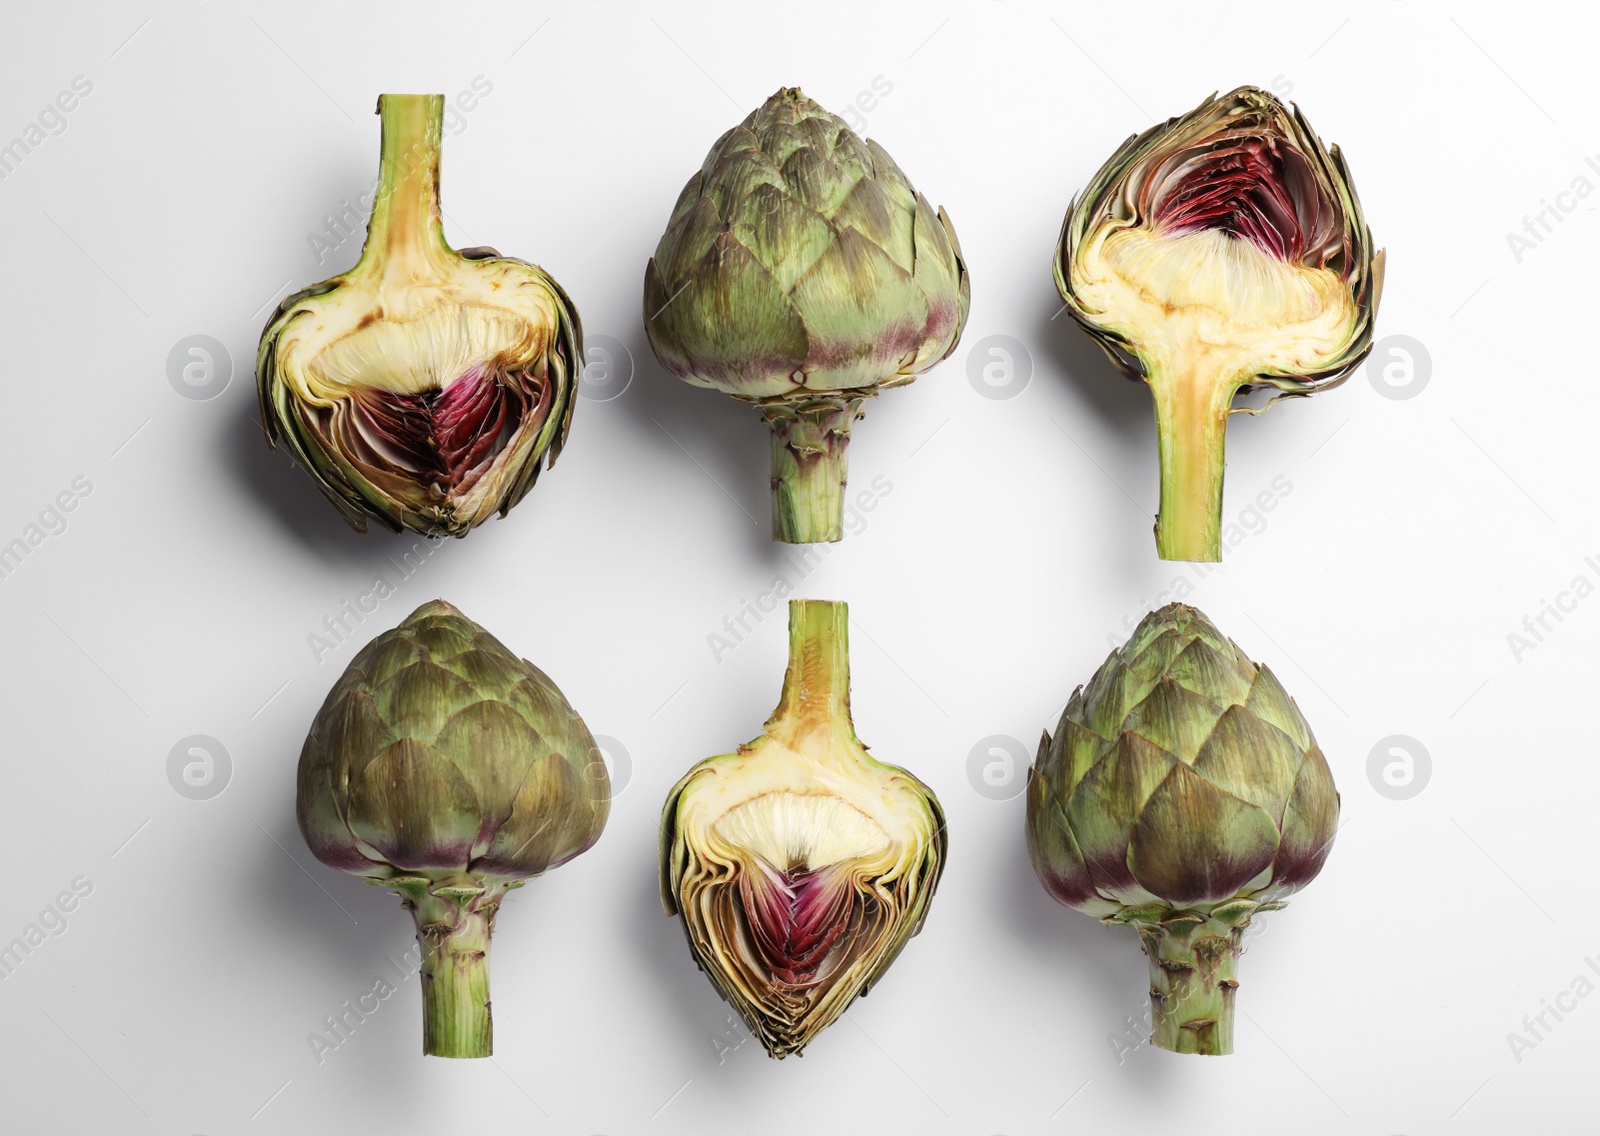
1220 251
1182 794
801 272
425 386
447 769
799 864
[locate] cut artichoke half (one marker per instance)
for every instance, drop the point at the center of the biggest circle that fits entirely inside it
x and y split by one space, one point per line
800 865
426 386
1204 304
1220 251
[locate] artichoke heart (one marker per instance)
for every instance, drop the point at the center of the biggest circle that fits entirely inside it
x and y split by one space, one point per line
800 865
1217 252
1182 794
425 387
802 272
445 768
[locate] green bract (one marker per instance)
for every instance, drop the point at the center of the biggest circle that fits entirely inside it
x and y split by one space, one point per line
425 387
1182 794
445 768
1217 252
802 272
800 865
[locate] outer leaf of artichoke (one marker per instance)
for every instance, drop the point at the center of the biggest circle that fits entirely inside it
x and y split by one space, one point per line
445 768
1182 794
1221 250
802 272
800 865
425 387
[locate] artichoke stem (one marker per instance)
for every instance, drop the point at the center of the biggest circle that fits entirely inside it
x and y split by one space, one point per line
1193 966
454 935
405 235
1191 428
816 686
810 464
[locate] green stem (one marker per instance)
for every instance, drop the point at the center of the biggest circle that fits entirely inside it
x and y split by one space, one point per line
810 466
406 231
1193 963
816 687
453 928
1191 427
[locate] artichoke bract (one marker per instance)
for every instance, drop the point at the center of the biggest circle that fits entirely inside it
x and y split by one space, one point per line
1220 251
425 387
801 272
800 865
1182 795
449 770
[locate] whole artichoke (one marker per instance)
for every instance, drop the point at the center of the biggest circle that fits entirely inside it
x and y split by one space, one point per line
800 271
1182 794
1217 252
800 865
445 768
424 387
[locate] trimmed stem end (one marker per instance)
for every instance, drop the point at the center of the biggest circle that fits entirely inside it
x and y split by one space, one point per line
454 926
405 233
810 466
1191 429
816 685
1193 978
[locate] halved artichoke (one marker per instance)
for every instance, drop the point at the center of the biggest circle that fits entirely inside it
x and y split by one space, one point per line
1218 251
424 387
800 865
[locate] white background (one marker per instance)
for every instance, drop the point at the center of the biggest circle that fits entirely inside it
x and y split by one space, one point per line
1418 534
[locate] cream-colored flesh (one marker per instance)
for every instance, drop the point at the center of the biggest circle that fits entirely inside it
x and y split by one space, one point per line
1211 305
793 830
784 804
423 354
417 336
